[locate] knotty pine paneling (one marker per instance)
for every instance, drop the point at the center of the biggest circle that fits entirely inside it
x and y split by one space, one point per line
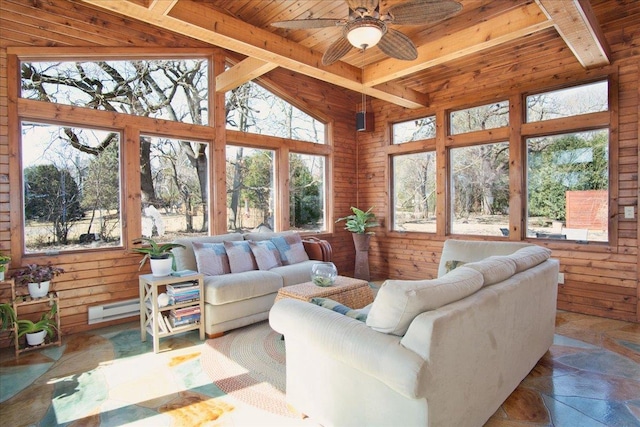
111 275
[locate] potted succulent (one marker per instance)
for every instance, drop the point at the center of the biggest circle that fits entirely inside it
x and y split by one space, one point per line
4 260
159 255
35 332
357 223
37 277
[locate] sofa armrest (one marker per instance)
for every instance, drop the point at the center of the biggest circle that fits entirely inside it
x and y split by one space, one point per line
318 249
332 335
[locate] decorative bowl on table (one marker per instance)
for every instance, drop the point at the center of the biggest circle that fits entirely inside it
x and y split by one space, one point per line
324 274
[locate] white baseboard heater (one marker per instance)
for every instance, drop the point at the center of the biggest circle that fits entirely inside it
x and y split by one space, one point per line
113 311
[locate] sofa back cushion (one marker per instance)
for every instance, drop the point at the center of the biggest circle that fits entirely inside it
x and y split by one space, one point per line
241 258
494 269
398 302
530 256
291 248
474 250
266 254
211 258
186 259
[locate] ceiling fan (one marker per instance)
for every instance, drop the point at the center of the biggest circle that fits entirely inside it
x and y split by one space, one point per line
366 28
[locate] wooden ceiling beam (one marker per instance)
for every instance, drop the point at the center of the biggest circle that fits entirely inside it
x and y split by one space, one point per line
244 71
511 25
205 24
577 25
162 7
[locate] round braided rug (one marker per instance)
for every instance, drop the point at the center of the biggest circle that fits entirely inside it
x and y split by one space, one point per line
249 364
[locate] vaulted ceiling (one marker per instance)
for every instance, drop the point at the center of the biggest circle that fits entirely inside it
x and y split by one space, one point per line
481 27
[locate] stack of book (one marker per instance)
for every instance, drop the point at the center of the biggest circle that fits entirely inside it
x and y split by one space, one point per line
184 316
183 292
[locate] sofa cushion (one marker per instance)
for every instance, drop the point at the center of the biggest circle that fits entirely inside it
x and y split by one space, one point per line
185 257
494 269
474 250
240 286
240 257
398 302
211 258
266 254
291 248
340 308
295 273
530 256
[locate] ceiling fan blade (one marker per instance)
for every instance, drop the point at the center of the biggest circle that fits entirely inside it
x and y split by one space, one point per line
370 5
397 45
337 50
304 24
418 12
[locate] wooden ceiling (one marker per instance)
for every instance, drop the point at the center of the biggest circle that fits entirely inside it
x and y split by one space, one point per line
243 27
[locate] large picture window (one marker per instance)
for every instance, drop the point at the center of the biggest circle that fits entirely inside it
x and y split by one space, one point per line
480 190
307 200
568 186
174 180
250 188
414 192
71 188
414 130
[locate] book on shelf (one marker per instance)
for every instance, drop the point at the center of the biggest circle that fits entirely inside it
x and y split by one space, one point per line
183 273
162 326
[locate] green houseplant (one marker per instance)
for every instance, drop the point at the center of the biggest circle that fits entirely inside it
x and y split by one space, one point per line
37 278
36 331
7 316
4 260
358 223
359 220
159 255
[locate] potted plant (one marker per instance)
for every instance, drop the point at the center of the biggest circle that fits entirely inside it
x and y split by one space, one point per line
37 278
4 260
358 223
160 256
36 331
7 316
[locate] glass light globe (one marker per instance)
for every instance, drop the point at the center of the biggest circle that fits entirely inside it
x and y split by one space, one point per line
324 274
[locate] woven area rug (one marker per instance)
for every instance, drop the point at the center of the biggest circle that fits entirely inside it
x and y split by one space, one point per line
249 364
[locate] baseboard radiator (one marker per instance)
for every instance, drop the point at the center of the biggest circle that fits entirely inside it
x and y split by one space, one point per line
113 311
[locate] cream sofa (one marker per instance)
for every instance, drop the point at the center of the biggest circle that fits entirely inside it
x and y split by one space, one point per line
442 352
238 299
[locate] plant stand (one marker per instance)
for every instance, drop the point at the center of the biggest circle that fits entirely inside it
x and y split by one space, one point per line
22 301
361 242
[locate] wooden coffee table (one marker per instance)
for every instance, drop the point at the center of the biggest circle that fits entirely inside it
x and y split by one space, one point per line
353 293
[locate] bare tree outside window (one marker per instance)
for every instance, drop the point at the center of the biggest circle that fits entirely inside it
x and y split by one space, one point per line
414 192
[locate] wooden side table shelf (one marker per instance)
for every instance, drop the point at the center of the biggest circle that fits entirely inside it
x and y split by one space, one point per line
151 314
21 301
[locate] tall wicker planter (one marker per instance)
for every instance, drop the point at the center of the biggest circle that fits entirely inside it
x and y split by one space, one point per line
361 242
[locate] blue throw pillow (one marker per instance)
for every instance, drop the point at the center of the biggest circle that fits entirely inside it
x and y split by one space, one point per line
340 308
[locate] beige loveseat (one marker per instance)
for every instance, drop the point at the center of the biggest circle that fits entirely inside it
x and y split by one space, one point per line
442 352
236 299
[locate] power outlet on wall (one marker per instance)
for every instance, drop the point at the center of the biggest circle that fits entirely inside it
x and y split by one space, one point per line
628 212
561 278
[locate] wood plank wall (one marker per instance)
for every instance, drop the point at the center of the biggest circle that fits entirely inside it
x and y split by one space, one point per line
599 280
108 276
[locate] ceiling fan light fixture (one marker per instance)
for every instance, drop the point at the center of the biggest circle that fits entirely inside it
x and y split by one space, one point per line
366 33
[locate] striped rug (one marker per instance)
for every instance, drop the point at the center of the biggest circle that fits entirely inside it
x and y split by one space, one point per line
249 364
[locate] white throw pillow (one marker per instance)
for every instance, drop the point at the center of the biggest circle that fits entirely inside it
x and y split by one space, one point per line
399 301
211 258
530 256
494 269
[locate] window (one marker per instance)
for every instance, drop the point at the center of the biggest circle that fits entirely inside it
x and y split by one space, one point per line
251 108
589 98
414 192
480 189
167 89
71 184
568 193
307 207
414 130
250 188
174 187
488 116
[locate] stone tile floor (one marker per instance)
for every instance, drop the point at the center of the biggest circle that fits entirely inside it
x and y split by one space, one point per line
589 377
